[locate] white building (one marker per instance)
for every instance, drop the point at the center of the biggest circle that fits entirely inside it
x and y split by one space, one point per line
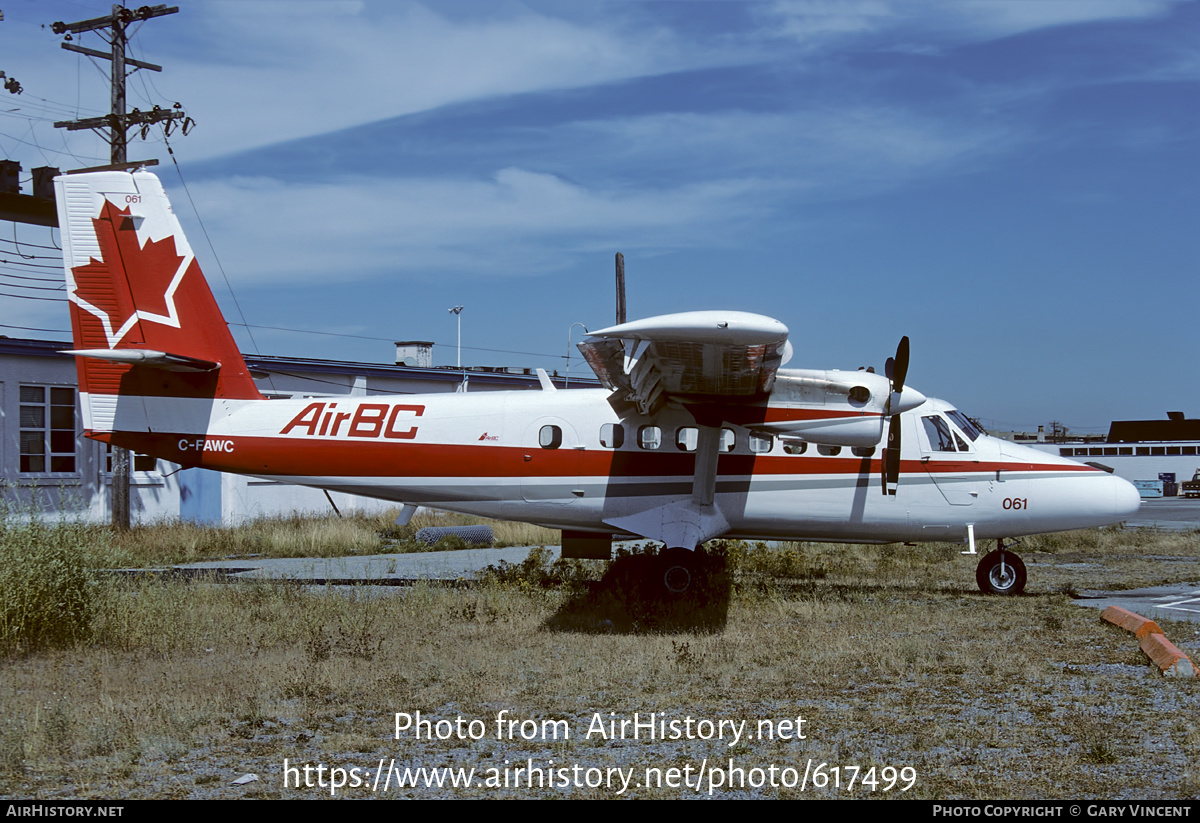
1140 451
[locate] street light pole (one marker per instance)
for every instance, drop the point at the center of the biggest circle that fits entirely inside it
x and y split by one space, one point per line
457 312
571 328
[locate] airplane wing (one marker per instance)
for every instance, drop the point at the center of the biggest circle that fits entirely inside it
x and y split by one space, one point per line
708 354
720 358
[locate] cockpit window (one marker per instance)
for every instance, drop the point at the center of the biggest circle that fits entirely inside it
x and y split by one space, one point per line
969 429
940 439
943 437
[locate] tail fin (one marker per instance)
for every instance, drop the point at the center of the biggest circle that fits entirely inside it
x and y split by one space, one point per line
143 318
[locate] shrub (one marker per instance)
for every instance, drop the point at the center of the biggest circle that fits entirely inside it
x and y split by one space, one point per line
47 593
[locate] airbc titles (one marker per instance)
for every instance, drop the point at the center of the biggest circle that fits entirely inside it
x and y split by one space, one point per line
385 420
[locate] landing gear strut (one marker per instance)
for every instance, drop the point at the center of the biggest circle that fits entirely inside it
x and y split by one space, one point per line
1000 572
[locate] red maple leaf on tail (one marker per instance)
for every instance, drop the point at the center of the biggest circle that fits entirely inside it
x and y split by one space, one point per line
148 287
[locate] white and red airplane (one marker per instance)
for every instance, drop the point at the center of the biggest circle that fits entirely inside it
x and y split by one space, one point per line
698 434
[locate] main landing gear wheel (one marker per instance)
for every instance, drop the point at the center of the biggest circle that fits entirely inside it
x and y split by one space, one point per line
1000 572
679 571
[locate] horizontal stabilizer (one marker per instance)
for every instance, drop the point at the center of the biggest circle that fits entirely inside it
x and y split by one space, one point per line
148 357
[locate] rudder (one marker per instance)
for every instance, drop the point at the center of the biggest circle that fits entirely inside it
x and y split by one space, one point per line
141 312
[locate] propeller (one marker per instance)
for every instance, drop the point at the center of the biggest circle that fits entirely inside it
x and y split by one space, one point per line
896 370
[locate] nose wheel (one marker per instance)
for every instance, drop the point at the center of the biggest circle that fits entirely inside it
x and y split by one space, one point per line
1001 572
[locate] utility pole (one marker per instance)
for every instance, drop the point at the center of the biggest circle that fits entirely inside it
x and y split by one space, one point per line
114 127
118 122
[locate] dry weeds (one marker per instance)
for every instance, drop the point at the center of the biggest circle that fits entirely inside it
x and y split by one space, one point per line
171 542
888 654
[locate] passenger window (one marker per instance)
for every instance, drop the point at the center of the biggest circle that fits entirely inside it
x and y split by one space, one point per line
830 451
612 435
761 444
863 451
728 440
685 439
649 437
550 437
795 447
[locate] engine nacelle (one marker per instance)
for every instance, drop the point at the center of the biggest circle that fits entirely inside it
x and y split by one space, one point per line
836 431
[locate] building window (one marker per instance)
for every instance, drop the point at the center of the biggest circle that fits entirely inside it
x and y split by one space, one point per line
47 430
138 462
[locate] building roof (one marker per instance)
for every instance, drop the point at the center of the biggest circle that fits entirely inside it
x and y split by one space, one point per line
1141 431
263 364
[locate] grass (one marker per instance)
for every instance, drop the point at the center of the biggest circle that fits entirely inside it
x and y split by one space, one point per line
887 652
173 542
48 590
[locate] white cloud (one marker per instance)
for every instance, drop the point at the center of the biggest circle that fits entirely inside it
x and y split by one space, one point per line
738 172
519 222
258 73
821 149
814 22
284 75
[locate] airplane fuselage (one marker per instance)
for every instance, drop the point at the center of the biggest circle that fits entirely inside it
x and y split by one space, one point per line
566 459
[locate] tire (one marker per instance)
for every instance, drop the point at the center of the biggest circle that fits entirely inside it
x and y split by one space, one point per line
678 572
1001 572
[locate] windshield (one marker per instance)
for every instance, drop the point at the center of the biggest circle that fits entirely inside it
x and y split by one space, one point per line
969 429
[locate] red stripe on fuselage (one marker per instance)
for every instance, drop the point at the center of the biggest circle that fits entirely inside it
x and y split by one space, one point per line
307 457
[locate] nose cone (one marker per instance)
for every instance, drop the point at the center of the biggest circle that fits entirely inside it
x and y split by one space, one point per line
905 400
1126 500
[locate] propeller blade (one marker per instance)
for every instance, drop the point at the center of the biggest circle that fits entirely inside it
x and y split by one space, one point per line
890 463
900 368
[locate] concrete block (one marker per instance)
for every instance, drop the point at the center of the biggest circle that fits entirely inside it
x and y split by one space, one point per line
1167 656
1130 622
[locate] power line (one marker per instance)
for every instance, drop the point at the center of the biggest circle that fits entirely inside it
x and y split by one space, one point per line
33 265
62 287
31 328
62 299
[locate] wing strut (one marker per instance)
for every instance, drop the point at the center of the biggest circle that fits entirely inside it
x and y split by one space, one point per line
686 523
704 478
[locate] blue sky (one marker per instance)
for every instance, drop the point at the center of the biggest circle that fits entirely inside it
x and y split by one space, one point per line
1013 184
